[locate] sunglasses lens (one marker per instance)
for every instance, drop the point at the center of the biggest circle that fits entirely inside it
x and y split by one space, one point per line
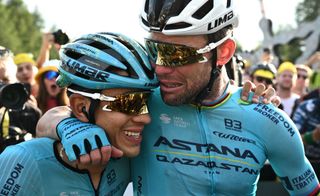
172 55
135 103
302 76
51 75
266 80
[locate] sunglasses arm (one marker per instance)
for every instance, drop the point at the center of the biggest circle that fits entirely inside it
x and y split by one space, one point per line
93 95
213 45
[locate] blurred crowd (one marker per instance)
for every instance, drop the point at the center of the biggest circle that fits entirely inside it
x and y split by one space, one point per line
23 75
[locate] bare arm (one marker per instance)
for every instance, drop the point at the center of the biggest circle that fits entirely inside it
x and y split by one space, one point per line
46 126
44 55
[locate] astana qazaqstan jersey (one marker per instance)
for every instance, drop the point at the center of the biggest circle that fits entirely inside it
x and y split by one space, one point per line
219 149
35 168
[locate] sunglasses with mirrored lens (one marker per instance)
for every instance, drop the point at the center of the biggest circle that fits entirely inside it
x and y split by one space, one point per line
51 75
130 103
302 76
172 55
262 79
175 55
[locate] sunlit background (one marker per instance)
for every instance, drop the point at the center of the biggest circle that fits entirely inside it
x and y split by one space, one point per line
78 17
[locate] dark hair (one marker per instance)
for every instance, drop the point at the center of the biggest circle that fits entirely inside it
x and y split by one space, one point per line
43 96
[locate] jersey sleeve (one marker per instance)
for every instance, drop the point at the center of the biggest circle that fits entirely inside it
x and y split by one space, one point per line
19 172
285 152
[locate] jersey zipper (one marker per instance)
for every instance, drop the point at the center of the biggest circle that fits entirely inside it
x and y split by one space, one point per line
202 128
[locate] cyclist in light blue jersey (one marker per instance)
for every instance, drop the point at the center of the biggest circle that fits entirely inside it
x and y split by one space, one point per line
203 140
108 77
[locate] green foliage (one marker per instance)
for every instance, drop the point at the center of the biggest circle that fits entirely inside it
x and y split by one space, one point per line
20 30
307 10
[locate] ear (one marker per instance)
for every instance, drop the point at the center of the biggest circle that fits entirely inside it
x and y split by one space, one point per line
77 103
225 51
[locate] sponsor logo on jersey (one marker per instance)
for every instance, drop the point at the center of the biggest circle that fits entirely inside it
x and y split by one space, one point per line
232 124
300 181
10 186
274 116
233 137
165 119
176 120
207 148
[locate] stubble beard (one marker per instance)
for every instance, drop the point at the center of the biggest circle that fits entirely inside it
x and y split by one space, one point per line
187 96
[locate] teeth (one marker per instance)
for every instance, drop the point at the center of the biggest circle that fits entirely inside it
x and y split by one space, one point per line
133 134
172 85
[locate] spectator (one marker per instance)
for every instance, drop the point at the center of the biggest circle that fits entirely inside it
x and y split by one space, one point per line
286 79
7 67
307 119
16 121
266 57
26 71
50 94
263 73
314 63
301 86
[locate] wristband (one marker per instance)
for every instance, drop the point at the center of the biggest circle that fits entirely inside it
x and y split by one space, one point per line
308 138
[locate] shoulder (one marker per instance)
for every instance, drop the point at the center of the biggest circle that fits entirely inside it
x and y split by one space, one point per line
309 105
38 148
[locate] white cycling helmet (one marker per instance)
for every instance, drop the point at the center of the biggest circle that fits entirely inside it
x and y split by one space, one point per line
188 17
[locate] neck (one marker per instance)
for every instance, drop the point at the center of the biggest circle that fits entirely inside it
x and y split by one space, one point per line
284 93
94 171
218 87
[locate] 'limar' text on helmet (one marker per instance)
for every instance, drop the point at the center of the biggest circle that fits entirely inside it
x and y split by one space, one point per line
97 74
220 20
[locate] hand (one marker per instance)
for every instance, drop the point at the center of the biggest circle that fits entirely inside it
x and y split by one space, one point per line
47 40
79 138
259 94
99 156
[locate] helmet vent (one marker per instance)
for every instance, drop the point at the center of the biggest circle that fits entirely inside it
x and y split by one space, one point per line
228 3
203 10
179 25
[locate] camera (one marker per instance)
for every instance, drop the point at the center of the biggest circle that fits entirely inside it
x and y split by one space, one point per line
60 37
13 96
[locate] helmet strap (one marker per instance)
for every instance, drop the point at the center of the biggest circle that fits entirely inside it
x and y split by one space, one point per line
93 104
215 72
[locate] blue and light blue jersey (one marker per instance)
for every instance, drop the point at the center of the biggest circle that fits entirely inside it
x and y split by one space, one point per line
307 117
35 168
219 149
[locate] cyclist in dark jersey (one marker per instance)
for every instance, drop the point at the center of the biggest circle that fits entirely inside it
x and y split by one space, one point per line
108 77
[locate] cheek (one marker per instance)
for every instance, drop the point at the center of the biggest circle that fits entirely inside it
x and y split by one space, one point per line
113 123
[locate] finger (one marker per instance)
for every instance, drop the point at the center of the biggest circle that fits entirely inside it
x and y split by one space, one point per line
247 87
276 101
103 139
268 94
85 159
116 153
70 154
105 154
96 157
259 91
